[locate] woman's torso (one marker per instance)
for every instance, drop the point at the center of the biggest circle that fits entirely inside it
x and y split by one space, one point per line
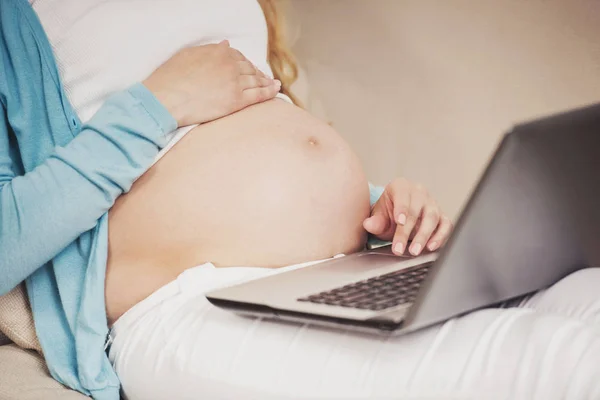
267 186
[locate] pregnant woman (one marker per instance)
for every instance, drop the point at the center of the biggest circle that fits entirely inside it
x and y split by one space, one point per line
117 219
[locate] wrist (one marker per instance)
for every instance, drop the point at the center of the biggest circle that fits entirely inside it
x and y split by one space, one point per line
170 101
153 105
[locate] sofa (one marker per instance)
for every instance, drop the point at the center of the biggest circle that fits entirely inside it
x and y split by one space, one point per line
439 82
24 376
23 372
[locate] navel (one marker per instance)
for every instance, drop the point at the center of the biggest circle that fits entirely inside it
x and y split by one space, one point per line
313 141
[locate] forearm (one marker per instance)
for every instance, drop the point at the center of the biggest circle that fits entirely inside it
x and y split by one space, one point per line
44 210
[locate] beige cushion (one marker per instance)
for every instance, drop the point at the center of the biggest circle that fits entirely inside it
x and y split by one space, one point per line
16 321
23 376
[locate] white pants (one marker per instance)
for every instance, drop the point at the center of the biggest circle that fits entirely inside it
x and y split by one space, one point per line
175 345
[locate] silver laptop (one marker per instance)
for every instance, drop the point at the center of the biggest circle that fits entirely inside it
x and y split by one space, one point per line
533 218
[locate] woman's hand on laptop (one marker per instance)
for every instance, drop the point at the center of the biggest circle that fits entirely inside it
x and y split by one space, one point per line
405 210
204 83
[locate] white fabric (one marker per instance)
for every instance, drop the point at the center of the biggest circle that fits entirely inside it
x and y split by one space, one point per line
175 345
102 46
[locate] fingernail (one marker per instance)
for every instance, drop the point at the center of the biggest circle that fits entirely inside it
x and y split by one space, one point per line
277 82
415 249
433 246
399 248
401 219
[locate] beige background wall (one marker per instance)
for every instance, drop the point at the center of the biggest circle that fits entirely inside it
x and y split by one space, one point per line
425 88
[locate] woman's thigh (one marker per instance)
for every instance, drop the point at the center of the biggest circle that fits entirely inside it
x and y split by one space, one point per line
187 349
576 296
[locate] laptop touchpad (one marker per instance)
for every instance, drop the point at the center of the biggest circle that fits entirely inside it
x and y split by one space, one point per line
370 261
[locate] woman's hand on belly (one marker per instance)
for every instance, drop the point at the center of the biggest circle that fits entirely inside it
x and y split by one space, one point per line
203 83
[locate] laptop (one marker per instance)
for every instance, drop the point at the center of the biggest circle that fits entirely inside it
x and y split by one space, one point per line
532 219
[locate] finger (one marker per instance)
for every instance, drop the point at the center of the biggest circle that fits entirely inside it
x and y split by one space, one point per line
399 240
224 43
260 94
415 229
430 219
403 233
254 81
379 225
236 54
441 235
249 82
381 222
262 74
247 68
400 193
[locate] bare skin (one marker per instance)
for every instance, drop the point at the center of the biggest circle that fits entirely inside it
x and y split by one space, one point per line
267 186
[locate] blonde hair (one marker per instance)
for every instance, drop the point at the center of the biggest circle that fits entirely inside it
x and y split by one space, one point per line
280 57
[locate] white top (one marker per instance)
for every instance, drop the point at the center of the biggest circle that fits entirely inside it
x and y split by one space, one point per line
104 46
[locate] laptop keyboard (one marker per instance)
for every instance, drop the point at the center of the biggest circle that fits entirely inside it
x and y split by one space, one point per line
378 293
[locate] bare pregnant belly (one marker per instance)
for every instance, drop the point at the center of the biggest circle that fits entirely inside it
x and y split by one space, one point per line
267 186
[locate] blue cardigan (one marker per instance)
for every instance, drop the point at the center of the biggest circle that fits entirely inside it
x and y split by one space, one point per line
58 179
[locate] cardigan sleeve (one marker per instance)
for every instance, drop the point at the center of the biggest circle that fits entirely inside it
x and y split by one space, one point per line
44 210
375 193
